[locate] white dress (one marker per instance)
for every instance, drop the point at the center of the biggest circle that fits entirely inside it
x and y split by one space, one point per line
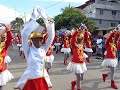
88 49
110 62
49 58
7 59
76 67
66 50
5 76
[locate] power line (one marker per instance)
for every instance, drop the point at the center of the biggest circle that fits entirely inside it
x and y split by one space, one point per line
54 4
21 15
24 15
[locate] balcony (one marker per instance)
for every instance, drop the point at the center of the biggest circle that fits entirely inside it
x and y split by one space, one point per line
108 3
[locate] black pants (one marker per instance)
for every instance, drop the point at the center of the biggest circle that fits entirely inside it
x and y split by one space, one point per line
103 51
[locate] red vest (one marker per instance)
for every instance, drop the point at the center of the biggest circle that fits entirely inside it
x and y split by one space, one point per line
2 64
78 54
87 40
3 52
57 39
111 47
45 39
49 52
78 50
111 51
66 44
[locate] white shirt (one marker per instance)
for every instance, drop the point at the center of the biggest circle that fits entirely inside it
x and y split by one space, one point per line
35 56
99 43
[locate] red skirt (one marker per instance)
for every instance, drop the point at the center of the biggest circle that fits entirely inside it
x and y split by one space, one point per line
36 84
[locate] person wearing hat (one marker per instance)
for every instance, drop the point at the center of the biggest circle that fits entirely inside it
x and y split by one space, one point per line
5 41
110 60
77 64
87 43
88 47
57 42
21 53
35 53
49 57
49 54
66 47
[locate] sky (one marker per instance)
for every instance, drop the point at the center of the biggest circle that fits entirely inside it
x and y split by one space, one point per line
10 9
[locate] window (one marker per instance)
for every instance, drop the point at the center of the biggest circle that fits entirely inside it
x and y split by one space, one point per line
101 12
100 21
113 12
113 25
104 32
113 1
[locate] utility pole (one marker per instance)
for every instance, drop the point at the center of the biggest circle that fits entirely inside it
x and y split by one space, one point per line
15 12
25 17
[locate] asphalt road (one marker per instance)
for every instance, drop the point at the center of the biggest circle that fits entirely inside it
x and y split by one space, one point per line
60 77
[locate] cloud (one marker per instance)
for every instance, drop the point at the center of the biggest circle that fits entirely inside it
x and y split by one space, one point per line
74 1
7 14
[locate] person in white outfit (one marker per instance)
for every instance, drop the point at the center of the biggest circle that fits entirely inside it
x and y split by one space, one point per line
35 53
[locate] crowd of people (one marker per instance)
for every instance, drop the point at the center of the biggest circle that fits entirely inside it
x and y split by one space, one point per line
36 44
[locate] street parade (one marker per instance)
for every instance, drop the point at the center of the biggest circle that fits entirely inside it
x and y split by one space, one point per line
67 52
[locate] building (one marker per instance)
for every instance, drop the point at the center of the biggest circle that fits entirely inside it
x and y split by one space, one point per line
106 13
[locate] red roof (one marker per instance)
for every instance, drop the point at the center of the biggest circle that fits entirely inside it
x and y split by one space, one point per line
86 4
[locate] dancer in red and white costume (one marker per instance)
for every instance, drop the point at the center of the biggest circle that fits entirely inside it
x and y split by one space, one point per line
49 54
110 60
5 41
77 64
57 42
66 47
19 42
49 58
88 48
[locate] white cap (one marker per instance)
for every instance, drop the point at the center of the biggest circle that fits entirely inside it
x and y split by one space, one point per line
82 26
67 32
118 27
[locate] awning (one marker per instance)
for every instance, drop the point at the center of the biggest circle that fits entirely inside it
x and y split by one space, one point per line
106 29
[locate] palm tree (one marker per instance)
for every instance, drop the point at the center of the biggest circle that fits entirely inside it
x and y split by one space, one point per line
17 23
72 17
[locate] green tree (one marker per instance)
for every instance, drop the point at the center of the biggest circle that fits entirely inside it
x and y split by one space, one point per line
71 17
17 23
41 22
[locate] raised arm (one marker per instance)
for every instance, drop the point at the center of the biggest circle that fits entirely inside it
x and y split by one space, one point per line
9 37
110 38
43 15
73 39
50 28
28 29
51 35
86 37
